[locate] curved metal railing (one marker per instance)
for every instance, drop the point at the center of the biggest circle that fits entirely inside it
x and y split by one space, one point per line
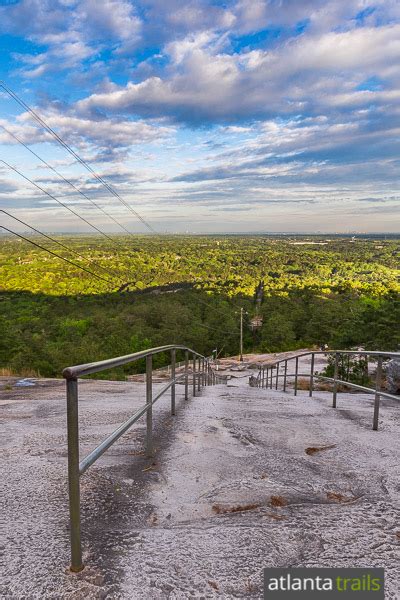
202 374
266 375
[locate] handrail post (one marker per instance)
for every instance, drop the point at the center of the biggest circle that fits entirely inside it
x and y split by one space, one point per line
296 375
194 375
284 377
378 383
272 374
199 375
312 375
277 376
263 377
149 400
173 364
186 374
73 475
335 377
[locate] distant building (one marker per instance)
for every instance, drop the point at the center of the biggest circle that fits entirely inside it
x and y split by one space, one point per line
256 322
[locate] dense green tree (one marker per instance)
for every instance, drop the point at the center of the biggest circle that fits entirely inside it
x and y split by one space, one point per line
189 290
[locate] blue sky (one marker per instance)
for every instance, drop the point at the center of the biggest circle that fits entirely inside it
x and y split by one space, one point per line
206 116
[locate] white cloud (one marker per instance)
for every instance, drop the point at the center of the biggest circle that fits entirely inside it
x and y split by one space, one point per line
105 139
306 112
72 31
304 74
108 19
180 49
251 15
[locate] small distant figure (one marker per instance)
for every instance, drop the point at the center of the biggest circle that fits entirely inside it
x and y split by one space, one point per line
324 347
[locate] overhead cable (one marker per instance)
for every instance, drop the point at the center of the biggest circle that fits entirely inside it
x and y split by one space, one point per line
71 151
113 274
57 255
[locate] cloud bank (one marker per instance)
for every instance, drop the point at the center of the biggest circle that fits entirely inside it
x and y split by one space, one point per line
198 108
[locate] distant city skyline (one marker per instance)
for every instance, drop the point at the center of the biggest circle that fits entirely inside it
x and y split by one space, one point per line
242 116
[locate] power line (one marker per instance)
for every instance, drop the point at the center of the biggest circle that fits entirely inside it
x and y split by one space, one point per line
215 309
57 255
65 179
231 333
73 153
57 200
59 243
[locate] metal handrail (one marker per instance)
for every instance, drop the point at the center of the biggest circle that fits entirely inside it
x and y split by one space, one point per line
110 363
202 375
265 380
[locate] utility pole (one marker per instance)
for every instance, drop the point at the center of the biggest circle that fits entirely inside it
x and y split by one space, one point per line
242 312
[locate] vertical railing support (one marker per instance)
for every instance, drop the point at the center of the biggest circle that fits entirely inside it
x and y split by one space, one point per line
194 375
173 369
263 377
335 378
73 475
277 376
149 400
186 374
312 374
199 375
296 374
272 374
378 384
284 377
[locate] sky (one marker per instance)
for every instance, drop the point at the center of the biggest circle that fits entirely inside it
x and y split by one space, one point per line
204 116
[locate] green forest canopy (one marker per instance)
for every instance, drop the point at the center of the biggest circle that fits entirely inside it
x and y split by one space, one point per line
188 289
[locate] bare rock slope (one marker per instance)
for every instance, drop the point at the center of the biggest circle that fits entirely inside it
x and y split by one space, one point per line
242 479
